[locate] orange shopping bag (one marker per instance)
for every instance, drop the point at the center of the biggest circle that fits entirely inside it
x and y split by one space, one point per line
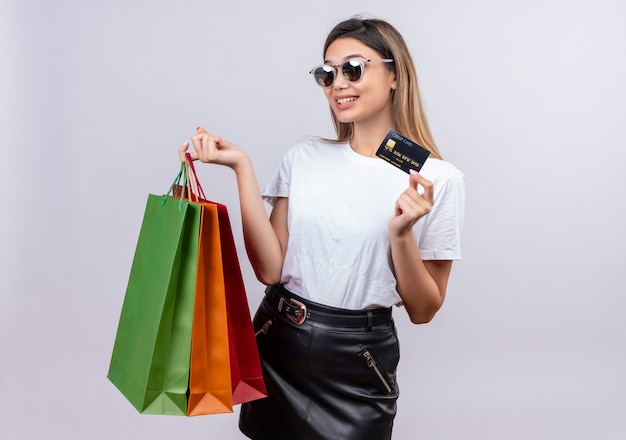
210 390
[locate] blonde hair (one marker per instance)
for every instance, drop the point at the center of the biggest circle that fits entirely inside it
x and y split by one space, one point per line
408 114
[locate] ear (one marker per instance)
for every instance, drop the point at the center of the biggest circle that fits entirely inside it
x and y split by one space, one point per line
394 84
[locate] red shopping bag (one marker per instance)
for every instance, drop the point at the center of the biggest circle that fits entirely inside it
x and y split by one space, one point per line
245 365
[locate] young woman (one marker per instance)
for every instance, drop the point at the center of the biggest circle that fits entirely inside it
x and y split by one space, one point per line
348 238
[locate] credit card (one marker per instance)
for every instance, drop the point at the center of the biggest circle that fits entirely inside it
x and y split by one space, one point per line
402 152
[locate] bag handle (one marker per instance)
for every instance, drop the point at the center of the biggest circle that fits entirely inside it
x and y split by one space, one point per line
182 174
192 184
190 187
199 192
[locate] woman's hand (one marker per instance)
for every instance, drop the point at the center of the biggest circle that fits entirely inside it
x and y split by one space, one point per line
209 148
411 205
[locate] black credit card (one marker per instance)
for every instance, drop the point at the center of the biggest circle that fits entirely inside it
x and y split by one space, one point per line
402 152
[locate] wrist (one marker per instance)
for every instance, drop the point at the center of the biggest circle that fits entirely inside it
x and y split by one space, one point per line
242 164
401 233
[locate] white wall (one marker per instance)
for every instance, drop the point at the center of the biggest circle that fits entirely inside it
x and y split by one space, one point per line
527 98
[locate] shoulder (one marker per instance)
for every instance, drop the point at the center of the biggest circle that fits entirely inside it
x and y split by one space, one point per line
437 170
448 180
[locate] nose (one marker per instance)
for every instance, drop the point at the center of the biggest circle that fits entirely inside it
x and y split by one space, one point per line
340 81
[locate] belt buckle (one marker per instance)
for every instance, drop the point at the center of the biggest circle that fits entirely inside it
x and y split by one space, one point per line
299 315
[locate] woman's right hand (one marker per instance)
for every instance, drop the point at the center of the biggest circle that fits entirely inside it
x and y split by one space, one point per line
209 148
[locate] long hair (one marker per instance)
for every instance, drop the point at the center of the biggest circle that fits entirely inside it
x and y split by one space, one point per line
408 114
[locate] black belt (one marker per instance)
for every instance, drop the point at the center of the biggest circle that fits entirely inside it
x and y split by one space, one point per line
299 310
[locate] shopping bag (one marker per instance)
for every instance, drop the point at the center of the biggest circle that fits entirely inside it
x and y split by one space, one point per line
151 354
185 342
210 390
245 365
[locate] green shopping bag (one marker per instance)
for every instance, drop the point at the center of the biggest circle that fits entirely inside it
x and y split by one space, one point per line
151 354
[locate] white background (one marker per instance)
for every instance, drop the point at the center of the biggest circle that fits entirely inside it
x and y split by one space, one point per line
527 98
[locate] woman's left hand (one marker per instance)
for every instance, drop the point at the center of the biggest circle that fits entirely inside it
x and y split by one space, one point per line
411 205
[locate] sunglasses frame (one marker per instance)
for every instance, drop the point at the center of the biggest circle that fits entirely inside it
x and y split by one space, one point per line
334 69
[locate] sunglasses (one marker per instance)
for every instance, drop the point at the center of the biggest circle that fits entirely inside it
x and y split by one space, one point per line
352 70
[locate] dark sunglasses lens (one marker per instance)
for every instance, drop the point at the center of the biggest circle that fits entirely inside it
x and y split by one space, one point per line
324 75
352 70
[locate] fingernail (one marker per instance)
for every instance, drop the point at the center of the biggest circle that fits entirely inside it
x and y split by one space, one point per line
412 172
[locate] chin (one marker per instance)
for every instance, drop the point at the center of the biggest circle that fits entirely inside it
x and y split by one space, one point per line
344 118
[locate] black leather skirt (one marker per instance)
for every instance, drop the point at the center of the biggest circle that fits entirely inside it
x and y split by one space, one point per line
330 373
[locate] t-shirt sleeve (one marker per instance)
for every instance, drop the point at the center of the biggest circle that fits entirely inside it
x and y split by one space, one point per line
440 238
279 183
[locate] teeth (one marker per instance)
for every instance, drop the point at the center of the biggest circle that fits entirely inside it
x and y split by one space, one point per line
345 100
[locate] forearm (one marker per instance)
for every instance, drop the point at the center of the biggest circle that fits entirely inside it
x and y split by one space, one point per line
262 245
421 295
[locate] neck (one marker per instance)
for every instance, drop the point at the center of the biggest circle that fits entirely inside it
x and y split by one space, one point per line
366 141
369 133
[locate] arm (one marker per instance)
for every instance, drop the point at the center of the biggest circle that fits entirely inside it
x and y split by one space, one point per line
421 284
264 246
264 243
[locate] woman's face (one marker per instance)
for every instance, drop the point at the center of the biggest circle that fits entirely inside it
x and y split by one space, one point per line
368 99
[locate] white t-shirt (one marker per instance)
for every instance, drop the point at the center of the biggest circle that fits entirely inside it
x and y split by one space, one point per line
340 205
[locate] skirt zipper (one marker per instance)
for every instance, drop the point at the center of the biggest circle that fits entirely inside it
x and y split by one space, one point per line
264 328
372 364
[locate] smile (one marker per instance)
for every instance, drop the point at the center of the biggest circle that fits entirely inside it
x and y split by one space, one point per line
346 100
